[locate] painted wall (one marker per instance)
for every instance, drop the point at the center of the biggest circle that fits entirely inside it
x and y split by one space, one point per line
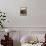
36 14
12 9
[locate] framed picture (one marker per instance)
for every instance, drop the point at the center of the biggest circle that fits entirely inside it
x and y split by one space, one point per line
23 11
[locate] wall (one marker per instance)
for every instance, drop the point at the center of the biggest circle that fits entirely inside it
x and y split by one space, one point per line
39 13
36 13
12 9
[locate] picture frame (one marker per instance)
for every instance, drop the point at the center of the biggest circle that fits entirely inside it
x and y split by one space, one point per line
23 11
